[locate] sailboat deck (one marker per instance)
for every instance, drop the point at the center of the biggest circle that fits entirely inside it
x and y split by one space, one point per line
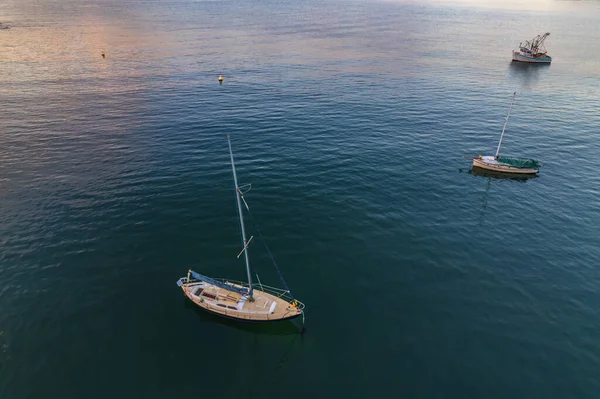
263 307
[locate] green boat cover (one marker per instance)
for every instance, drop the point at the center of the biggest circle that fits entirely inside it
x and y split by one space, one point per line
519 162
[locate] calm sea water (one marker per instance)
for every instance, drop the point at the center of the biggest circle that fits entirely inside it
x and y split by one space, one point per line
351 120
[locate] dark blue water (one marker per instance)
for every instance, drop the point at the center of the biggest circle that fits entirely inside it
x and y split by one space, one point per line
351 120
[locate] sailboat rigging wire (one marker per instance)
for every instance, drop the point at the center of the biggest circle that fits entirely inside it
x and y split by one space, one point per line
261 286
269 251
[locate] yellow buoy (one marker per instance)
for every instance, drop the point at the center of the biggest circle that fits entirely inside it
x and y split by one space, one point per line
220 79
103 54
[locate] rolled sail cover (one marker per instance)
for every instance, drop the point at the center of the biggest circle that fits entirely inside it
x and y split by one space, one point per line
519 162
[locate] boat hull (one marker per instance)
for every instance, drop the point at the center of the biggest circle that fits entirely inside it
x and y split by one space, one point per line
517 56
264 308
481 164
204 308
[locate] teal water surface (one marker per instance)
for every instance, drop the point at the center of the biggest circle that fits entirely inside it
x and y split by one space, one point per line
351 120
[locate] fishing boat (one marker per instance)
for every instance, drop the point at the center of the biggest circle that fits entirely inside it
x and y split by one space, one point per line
504 164
533 50
238 300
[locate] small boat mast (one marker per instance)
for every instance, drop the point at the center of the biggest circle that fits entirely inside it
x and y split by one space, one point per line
505 123
506 164
241 216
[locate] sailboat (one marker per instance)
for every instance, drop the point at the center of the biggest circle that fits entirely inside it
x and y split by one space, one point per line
244 301
505 164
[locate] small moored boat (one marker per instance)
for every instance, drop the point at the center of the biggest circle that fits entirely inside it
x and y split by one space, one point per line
242 300
507 165
504 164
533 51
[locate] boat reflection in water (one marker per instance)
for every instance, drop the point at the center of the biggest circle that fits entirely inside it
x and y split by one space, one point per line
500 175
492 176
525 74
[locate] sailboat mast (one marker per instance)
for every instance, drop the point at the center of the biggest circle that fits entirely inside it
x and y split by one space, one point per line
505 122
239 206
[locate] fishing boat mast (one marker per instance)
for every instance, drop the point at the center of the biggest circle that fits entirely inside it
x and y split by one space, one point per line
504 127
239 206
538 41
